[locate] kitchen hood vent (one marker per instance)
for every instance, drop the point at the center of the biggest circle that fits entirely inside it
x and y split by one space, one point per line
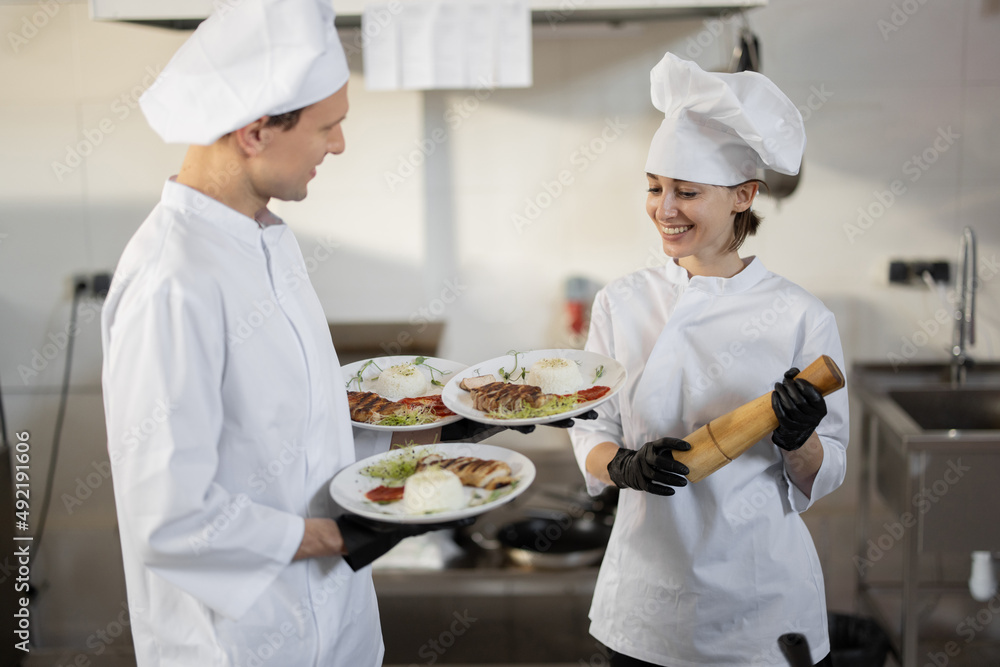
187 14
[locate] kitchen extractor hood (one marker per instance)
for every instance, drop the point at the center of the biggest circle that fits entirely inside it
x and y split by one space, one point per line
186 14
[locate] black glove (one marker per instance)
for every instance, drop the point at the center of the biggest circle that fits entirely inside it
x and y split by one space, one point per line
799 407
466 430
652 468
568 423
366 539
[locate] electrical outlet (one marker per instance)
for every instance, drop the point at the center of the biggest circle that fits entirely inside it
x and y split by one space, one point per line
91 284
903 272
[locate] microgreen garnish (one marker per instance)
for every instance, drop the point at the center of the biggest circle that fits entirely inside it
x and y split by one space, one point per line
513 375
422 361
359 376
598 373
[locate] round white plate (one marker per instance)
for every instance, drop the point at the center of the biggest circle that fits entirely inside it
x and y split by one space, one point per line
350 485
371 373
613 375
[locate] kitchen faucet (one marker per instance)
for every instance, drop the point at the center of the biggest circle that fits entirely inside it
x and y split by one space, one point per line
965 314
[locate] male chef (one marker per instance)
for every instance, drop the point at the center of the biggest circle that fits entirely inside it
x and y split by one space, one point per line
229 556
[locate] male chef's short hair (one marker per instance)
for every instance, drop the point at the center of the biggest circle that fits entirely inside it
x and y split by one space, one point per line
747 222
284 121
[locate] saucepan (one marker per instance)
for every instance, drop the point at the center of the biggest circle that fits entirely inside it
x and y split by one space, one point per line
554 542
746 57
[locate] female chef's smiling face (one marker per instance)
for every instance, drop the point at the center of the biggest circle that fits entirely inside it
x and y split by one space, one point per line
292 155
695 222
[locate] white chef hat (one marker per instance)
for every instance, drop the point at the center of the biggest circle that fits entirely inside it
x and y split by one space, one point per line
721 128
249 59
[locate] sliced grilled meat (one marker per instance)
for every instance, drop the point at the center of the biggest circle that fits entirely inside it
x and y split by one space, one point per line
365 405
475 382
498 395
483 473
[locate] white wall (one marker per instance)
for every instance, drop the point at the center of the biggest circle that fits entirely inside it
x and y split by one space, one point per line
878 98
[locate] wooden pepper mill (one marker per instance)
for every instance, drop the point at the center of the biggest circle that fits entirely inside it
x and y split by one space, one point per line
723 439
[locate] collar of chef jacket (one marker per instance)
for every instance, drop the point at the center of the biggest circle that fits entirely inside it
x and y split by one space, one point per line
695 294
216 213
753 272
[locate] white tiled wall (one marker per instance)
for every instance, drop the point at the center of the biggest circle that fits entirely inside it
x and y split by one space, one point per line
878 99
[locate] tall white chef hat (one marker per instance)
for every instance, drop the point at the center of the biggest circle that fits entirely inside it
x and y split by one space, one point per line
721 128
249 59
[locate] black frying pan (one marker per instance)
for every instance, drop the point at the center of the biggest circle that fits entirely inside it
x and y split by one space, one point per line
557 542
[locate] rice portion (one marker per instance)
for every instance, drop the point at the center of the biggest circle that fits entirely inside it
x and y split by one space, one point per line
402 381
433 490
555 376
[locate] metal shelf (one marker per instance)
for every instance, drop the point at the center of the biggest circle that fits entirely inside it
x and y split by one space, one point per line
186 14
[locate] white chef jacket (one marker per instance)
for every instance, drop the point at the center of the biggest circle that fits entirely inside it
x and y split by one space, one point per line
716 573
226 418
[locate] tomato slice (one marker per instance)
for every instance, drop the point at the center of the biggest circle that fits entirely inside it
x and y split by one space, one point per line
385 494
593 393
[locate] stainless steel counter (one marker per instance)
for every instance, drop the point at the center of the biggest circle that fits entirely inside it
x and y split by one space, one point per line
487 616
931 451
483 610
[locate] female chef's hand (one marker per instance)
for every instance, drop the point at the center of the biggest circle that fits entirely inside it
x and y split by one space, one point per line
799 407
365 539
652 468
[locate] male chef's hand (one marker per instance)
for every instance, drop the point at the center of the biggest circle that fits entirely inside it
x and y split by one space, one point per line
466 430
799 408
366 539
652 468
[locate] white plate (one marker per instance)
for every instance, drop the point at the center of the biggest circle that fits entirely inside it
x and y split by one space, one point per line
459 401
371 373
350 485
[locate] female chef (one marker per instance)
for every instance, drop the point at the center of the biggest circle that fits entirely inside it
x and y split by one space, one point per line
714 573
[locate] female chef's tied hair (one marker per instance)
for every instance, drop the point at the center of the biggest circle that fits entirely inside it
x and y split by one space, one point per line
722 129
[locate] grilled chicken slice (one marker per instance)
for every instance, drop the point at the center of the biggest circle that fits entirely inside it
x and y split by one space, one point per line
482 473
470 383
496 395
365 405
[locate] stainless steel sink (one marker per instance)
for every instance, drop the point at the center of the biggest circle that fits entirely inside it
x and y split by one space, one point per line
944 409
886 377
931 450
